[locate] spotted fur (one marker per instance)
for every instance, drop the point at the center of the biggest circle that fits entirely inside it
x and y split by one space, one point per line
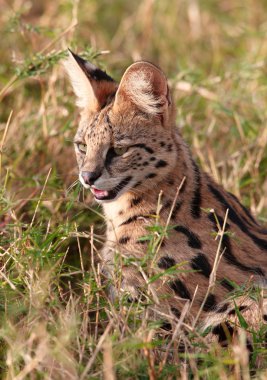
137 117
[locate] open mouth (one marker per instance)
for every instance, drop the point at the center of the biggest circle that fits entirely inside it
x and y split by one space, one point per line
103 195
99 194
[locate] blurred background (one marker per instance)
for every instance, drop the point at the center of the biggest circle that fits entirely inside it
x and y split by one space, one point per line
214 54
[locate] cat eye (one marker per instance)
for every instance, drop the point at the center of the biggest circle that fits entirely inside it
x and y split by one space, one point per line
120 150
82 147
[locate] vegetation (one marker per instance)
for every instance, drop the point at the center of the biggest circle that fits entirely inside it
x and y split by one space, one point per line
56 320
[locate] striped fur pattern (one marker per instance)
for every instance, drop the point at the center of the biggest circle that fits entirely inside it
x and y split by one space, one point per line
132 143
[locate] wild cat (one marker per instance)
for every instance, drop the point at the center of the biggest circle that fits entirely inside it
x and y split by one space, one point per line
130 153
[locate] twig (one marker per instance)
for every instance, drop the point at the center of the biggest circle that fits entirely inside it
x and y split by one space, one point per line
3 140
212 278
80 251
169 216
175 333
108 361
39 200
174 202
97 349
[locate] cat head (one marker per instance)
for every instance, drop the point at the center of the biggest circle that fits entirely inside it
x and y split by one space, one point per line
125 136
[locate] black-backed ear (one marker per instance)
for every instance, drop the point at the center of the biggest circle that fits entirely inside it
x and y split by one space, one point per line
91 85
144 86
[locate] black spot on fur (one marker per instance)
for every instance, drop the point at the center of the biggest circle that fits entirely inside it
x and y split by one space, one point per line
224 331
142 241
210 303
234 217
227 285
251 221
161 164
222 308
176 312
166 326
180 289
169 147
137 184
162 143
200 263
151 175
131 300
166 262
240 308
145 147
133 218
111 155
124 240
170 182
231 312
229 256
152 158
176 209
163 243
166 205
196 199
181 347
122 184
121 212
193 239
136 201
265 317
145 163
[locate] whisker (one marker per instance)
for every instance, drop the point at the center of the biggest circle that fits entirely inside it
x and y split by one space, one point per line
72 185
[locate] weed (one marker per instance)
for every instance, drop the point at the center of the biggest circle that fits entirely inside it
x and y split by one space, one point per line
56 319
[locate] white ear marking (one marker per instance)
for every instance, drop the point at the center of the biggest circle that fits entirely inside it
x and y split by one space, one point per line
141 93
80 83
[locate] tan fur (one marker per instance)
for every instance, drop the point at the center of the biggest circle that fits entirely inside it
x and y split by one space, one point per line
141 113
146 88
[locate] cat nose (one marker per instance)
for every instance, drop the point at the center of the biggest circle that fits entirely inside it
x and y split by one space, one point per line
90 177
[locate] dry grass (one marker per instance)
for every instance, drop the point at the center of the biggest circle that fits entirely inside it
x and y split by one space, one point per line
56 321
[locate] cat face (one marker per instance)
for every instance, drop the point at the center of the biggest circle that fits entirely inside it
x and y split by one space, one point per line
124 141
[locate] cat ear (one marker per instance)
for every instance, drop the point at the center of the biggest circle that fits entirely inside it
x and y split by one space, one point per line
145 87
91 85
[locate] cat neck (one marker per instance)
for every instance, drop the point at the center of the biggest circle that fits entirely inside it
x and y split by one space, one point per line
141 202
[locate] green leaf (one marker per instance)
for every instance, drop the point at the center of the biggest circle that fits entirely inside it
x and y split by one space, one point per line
241 319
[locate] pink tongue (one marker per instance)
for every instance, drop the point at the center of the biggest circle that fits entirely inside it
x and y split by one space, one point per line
99 193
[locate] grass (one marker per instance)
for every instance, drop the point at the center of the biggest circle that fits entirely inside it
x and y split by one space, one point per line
56 320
